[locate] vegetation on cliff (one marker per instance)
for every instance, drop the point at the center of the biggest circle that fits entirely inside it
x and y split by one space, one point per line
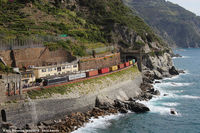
4 68
83 21
175 24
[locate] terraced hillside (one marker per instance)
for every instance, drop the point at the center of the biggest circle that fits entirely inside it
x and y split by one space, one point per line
87 23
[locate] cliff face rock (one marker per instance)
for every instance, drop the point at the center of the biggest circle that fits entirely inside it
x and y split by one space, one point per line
175 24
123 36
158 65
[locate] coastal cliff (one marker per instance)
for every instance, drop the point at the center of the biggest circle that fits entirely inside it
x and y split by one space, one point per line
178 26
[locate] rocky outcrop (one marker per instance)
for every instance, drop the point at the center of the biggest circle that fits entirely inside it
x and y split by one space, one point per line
158 66
173 71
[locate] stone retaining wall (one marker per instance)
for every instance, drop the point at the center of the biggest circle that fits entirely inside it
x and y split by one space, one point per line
35 57
100 62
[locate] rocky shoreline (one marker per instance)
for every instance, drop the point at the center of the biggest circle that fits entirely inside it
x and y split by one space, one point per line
76 120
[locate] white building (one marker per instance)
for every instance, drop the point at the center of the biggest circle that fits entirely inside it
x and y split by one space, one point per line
54 70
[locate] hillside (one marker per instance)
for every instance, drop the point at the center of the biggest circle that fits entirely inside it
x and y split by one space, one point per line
87 24
175 24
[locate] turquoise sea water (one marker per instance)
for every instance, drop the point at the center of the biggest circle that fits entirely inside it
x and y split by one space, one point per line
183 96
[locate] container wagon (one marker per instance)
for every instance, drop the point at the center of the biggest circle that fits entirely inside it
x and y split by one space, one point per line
92 73
56 80
77 76
114 68
126 64
131 62
121 66
104 70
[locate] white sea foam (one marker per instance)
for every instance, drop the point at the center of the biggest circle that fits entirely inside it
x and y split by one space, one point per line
171 104
173 84
171 95
185 57
178 91
97 123
155 108
164 108
172 78
190 97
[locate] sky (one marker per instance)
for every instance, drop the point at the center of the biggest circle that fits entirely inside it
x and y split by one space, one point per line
191 5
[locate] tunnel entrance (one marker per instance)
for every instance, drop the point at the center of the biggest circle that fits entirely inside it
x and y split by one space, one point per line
3 115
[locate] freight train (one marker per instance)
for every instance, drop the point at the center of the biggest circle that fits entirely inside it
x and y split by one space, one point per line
81 75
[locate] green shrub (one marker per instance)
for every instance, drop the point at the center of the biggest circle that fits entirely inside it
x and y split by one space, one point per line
4 68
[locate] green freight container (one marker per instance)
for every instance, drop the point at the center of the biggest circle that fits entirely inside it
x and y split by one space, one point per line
133 61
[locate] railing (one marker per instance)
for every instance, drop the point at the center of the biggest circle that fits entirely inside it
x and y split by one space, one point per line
12 44
29 42
100 50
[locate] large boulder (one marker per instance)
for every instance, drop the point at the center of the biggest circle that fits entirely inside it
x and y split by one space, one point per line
123 110
157 93
138 107
119 104
173 71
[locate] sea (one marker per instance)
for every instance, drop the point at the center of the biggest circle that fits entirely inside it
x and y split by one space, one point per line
183 96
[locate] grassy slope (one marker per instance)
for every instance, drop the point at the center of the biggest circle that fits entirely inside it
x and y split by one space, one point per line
83 87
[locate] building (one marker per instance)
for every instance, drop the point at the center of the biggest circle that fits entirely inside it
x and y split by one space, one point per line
27 77
54 70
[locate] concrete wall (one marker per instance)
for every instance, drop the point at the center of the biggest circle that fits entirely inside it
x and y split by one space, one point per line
2 92
40 110
35 56
6 57
100 62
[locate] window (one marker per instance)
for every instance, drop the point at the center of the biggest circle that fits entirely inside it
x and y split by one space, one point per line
59 69
43 70
55 69
75 66
50 69
3 115
63 67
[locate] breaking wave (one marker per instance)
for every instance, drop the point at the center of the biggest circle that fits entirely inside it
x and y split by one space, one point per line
101 122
